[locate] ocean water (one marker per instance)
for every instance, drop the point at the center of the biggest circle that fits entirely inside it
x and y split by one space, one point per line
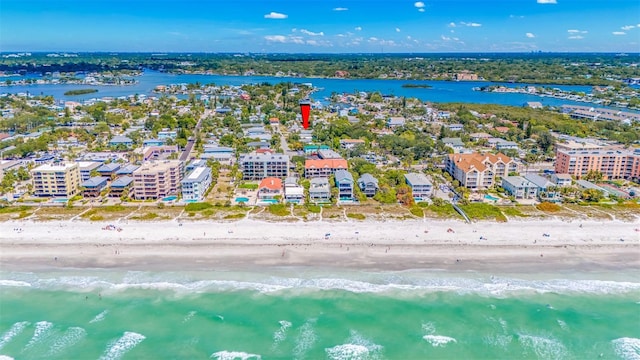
304 313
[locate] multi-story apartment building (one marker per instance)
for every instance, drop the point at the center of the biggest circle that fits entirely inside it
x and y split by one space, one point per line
157 179
196 184
479 171
60 180
323 167
257 166
613 164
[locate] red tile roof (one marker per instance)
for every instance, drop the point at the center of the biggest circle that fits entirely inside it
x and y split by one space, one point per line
271 183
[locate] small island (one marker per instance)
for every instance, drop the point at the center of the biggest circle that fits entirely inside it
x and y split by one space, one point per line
80 92
423 86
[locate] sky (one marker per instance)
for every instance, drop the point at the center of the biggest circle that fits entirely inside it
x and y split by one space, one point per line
320 26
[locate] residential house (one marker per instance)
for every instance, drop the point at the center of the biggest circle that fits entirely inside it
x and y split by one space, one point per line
368 184
152 142
395 121
223 154
328 154
120 186
196 184
319 191
421 186
344 182
59 180
479 171
455 143
323 167
157 179
547 191
121 141
257 166
167 134
561 179
293 192
455 127
128 170
519 187
93 186
350 143
270 188
312 149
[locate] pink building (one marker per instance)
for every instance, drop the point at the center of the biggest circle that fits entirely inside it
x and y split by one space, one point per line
613 164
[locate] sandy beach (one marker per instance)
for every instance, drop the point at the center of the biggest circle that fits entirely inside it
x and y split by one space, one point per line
518 246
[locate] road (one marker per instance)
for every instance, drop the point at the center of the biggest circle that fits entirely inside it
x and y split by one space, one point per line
192 139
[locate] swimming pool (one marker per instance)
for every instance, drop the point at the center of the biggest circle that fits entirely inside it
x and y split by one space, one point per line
492 198
269 201
60 200
169 198
242 200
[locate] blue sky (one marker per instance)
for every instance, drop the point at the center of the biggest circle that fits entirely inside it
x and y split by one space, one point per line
320 26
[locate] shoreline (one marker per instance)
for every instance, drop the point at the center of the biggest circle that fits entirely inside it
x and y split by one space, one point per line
516 246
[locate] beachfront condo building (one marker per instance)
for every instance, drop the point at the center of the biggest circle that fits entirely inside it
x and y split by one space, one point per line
257 166
613 164
421 186
479 171
196 184
157 179
56 180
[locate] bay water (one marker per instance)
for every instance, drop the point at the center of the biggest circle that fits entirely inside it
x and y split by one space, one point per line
317 313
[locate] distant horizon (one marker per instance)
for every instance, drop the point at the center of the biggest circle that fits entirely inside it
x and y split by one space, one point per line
244 53
321 26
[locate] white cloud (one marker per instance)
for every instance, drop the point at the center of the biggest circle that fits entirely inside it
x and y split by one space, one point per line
275 15
408 37
547 2
530 35
397 29
296 39
576 37
311 33
452 24
619 33
418 4
358 28
573 31
373 38
445 38
627 27
276 38
421 10
340 9
462 23
474 24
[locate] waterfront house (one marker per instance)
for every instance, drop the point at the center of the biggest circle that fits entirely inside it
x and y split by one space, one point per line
93 186
368 185
120 186
561 179
319 191
293 192
519 187
270 188
59 180
344 182
547 191
421 186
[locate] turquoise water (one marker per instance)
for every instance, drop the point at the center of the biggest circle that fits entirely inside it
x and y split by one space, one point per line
307 313
242 199
492 198
64 200
169 198
269 201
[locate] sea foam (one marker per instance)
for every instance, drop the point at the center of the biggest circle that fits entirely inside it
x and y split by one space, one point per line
357 347
99 317
15 329
71 336
543 347
118 348
6 357
438 340
281 334
305 340
627 348
233 355
14 283
42 331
